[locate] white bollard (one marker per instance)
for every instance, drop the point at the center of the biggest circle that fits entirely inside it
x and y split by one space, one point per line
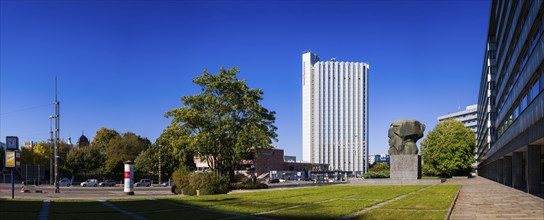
129 178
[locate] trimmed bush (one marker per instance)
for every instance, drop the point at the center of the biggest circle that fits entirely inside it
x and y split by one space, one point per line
379 167
188 183
250 185
379 174
181 180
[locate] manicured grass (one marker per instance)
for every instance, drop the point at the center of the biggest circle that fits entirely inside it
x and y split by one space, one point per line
20 205
431 203
358 199
19 209
91 216
401 214
434 198
143 205
62 207
325 202
82 209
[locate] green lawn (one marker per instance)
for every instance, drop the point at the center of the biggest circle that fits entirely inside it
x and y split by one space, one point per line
82 209
431 203
326 202
19 209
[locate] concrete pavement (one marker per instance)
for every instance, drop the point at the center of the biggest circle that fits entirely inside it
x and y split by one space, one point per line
481 198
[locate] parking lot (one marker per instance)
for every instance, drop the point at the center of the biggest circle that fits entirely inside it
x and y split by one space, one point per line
78 192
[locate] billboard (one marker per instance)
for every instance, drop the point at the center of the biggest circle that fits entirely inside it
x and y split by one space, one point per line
10 159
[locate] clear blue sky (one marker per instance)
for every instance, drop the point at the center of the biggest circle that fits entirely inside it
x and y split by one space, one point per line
123 64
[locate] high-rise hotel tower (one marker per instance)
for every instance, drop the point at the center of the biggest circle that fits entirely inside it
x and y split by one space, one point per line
335 113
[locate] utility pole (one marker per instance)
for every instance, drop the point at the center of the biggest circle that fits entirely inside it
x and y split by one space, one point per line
57 129
51 151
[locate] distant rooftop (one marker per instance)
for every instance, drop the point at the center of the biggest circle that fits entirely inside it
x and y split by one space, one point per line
468 110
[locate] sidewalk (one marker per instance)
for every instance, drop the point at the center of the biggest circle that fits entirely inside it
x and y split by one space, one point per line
481 198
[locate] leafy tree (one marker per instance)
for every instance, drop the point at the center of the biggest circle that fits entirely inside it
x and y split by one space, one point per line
447 150
2 157
123 148
175 142
84 159
148 161
102 139
224 122
40 153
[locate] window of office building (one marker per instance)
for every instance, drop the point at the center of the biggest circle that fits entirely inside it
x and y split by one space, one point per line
541 80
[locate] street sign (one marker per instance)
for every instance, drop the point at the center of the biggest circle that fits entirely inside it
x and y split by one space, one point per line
12 143
10 159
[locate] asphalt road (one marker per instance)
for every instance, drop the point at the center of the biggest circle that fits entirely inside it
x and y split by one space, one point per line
78 192
117 192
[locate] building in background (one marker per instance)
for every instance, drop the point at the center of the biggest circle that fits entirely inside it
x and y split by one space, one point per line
381 158
510 140
335 113
83 141
289 158
29 144
469 118
371 160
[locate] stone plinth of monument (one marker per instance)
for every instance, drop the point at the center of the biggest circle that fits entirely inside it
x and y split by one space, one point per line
405 162
405 167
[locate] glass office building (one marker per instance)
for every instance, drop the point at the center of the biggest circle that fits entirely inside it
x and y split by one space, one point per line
510 144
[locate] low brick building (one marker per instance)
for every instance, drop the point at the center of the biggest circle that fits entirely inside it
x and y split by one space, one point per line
266 160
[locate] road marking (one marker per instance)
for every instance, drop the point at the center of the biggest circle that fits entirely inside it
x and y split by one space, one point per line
132 214
44 211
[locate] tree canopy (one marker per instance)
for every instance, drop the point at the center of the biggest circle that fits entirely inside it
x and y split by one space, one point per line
122 148
448 149
223 123
40 153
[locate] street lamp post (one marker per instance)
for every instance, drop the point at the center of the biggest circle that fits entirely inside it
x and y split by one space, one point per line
160 146
56 142
51 150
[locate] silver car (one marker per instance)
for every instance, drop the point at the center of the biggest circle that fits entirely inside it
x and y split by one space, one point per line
65 182
143 182
107 183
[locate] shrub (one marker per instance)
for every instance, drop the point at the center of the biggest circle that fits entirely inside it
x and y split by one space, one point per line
379 174
214 184
181 180
187 183
379 167
250 185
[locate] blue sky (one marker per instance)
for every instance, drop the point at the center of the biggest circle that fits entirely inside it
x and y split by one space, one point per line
123 64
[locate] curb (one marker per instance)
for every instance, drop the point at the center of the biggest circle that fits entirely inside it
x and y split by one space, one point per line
450 210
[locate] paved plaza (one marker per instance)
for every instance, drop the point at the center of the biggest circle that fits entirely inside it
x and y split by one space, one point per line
481 198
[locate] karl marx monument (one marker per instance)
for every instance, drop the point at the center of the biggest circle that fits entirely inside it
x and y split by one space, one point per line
405 162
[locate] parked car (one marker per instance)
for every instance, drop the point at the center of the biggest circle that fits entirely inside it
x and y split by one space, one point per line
275 181
168 183
65 182
144 182
89 182
107 183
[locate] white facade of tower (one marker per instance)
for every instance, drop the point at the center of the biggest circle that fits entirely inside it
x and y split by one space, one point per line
335 113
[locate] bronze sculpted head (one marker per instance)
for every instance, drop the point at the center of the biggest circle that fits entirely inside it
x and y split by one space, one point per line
403 135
